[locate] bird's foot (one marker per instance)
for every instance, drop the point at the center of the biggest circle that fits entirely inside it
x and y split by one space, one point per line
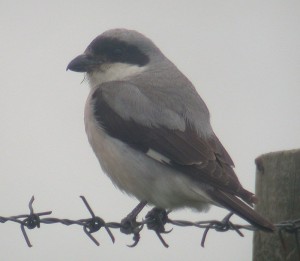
129 224
156 220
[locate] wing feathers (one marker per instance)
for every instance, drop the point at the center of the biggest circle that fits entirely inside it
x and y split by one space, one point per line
202 158
241 209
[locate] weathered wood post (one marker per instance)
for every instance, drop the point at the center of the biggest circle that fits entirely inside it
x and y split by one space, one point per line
278 191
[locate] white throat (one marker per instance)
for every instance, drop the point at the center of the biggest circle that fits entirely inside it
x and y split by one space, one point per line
113 72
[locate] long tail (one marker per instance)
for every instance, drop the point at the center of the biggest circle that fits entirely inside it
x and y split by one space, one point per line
241 209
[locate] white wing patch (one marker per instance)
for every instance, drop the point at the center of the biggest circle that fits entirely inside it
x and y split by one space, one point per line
157 156
163 159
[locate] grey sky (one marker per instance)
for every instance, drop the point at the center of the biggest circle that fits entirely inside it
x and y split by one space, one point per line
244 59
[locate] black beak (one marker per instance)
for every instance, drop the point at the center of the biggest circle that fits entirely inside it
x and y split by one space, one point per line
83 63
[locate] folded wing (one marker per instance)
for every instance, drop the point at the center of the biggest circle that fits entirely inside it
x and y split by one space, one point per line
127 114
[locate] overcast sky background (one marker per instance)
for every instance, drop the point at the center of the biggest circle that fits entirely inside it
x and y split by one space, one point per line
242 56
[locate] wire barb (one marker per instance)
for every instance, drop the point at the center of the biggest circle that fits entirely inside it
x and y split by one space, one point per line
94 224
31 221
222 226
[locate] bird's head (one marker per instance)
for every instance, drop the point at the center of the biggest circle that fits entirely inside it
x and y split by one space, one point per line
115 55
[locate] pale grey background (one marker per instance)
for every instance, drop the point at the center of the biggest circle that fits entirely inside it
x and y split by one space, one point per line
243 57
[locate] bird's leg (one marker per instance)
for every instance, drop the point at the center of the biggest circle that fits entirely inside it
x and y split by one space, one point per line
133 214
129 225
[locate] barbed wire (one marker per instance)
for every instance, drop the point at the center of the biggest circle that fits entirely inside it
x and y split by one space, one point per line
155 220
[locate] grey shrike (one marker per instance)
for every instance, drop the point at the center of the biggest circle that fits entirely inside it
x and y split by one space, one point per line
151 131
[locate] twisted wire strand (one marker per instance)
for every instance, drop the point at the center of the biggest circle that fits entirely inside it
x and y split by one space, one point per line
155 220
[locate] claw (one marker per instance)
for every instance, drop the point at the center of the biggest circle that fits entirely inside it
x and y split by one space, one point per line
162 240
136 239
168 231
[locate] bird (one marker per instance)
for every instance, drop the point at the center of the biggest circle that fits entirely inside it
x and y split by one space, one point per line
151 130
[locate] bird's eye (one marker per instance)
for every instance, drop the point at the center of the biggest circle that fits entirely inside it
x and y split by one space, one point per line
117 51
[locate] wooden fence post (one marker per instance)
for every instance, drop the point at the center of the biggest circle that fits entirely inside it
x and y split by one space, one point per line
278 191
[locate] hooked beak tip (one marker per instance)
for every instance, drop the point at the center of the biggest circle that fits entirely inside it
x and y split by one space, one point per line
81 63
